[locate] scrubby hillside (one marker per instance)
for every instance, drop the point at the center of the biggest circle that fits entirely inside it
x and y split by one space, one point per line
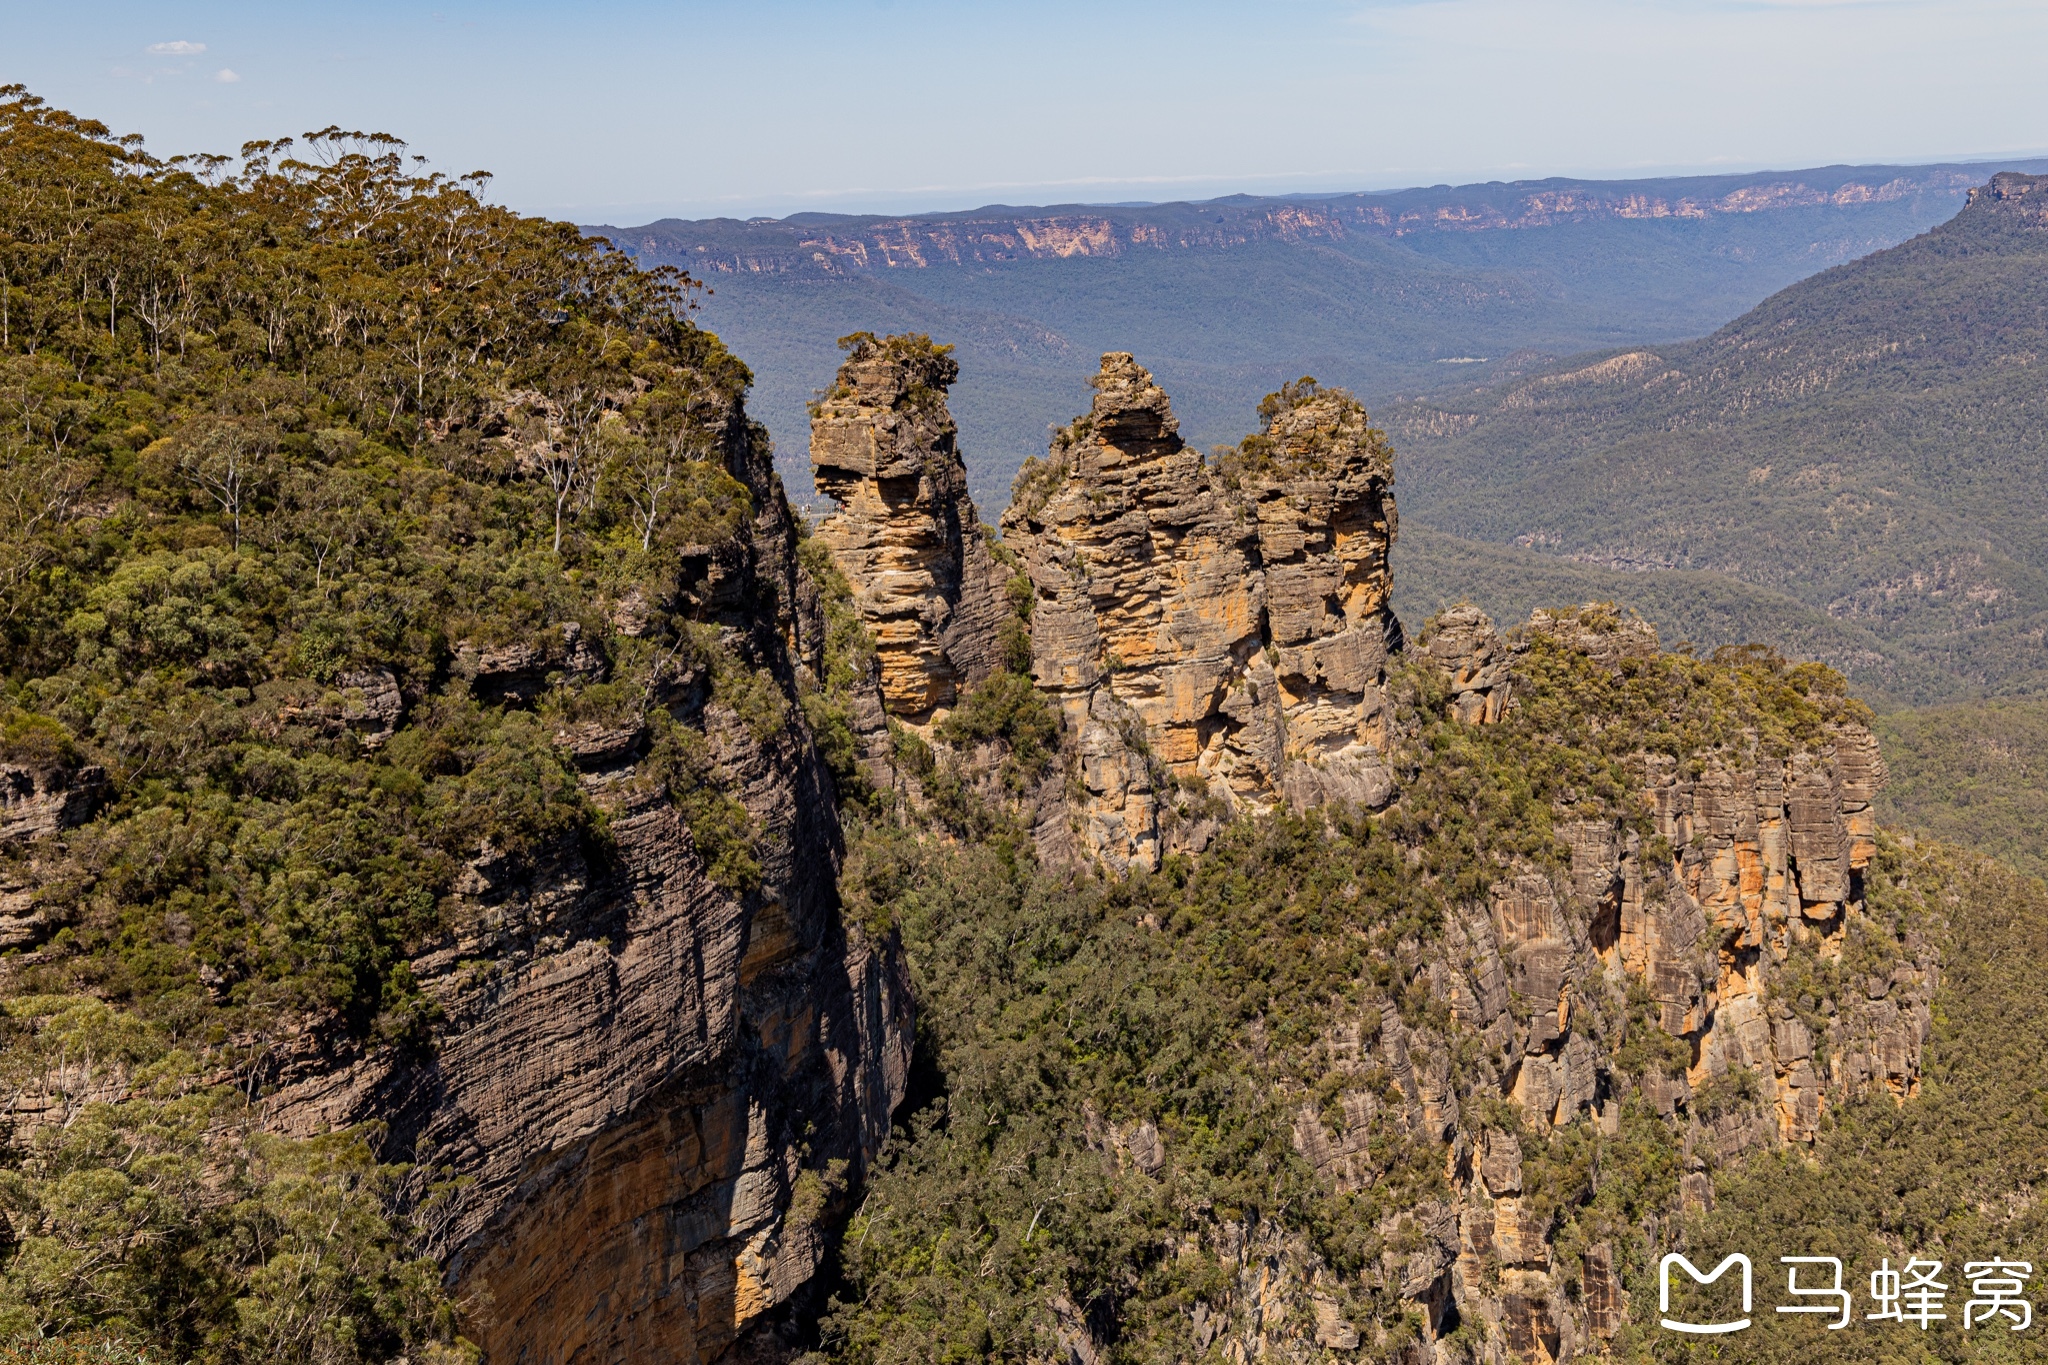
1257 1103
1867 442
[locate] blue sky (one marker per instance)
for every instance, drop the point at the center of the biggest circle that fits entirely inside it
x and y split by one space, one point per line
621 110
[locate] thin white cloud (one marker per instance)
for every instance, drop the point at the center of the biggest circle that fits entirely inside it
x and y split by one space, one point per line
226 76
179 48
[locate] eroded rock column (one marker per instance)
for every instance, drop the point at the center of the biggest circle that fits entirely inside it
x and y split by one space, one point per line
906 535
1223 627
1146 617
1320 482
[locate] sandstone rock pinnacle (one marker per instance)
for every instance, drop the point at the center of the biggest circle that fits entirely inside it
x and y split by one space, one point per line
906 534
1221 627
1320 480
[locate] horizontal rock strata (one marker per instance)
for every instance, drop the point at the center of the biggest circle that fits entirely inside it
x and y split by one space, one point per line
640 1068
37 802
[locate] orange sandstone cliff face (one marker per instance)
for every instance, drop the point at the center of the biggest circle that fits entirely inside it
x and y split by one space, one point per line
651 1092
1215 636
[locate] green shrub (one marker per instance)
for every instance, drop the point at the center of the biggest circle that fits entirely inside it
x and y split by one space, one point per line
1010 708
35 741
722 829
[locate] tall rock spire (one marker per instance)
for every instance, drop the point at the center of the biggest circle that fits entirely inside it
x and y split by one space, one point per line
1320 480
906 535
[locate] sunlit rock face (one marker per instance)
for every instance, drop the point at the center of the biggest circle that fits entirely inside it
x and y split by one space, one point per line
906 534
1216 634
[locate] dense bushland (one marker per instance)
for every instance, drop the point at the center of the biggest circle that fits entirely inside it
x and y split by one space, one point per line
1974 773
1061 1019
289 443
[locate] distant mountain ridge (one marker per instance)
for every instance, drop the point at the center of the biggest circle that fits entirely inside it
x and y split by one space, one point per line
1869 441
828 243
1394 293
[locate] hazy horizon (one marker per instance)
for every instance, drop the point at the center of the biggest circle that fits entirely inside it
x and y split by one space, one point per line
1619 176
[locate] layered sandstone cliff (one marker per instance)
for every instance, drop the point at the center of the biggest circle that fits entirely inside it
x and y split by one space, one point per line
651 1093
1753 873
39 800
1215 632
985 238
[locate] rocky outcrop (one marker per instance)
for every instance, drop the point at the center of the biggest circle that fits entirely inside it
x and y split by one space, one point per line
366 703
1748 877
1769 855
39 801
1212 633
1473 660
1476 663
1601 631
2022 199
1319 480
517 671
651 1094
906 535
